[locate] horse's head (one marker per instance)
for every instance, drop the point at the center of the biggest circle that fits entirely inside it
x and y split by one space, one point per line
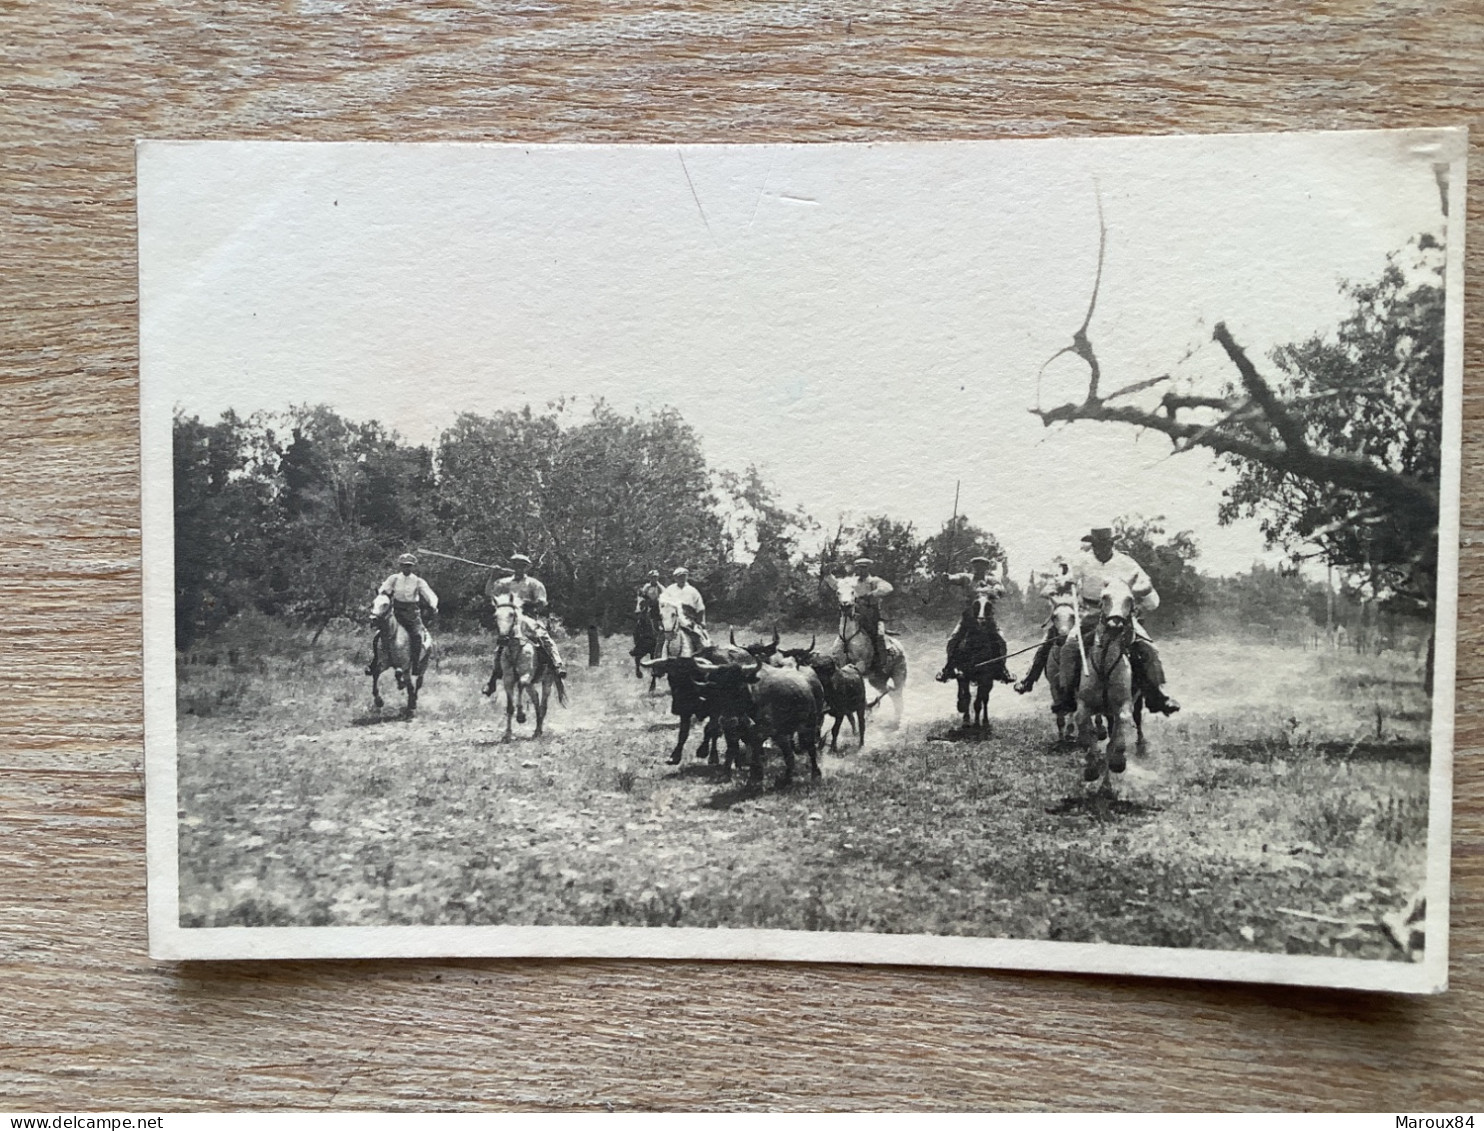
1117 606
844 590
1063 618
507 617
982 609
669 617
381 607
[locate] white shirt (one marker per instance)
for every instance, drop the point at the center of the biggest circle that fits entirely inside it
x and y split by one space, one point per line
528 593
871 588
409 587
1091 575
682 595
985 584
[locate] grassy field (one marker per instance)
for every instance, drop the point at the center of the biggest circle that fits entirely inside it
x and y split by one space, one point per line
1284 810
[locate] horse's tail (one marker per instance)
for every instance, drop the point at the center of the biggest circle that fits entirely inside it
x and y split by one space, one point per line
561 686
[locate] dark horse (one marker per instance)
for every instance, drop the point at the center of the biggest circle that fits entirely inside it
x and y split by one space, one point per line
649 636
978 660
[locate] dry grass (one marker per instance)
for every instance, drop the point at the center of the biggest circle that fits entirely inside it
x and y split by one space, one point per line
1293 781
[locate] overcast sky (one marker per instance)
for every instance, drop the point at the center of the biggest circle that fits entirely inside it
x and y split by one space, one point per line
864 322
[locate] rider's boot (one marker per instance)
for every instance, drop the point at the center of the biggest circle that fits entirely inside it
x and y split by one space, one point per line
489 688
1149 672
1038 665
1160 703
948 671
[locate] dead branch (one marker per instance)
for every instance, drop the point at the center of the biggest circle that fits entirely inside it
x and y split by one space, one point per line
1081 344
1272 407
1339 469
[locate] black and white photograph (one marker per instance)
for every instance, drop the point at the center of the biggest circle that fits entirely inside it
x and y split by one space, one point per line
1026 554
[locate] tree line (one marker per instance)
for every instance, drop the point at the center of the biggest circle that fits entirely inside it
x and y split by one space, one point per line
299 515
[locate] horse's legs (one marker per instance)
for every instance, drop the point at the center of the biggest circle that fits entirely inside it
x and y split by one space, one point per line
1139 723
835 734
510 694
981 703
860 732
707 749
962 704
1087 738
1118 728
376 691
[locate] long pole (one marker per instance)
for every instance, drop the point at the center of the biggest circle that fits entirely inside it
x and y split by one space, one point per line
466 561
953 524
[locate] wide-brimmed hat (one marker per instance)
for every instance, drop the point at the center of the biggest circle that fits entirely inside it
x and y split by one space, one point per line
407 559
1103 532
520 558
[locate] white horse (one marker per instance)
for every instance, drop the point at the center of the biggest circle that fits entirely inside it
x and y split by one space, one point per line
1061 674
394 653
525 671
886 672
1105 688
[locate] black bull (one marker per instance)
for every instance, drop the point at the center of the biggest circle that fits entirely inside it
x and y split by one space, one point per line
742 699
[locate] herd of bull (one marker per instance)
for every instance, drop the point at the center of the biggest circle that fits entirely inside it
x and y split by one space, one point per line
752 694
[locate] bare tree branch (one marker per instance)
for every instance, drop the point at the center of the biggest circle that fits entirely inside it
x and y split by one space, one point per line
1138 386
1081 344
1288 428
1341 470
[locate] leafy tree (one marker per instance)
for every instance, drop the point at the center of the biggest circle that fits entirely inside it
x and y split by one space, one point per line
222 511
768 578
1169 560
596 504
949 550
899 554
1374 391
351 498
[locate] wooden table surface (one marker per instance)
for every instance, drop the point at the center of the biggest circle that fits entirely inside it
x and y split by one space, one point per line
87 1021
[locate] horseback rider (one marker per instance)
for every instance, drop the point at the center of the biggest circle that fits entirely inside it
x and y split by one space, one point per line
1056 590
1096 565
978 583
408 593
682 595
649 592
869 592
529 597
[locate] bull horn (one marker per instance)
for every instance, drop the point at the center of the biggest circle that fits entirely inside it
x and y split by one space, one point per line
706 665
775 636
732 635
649 663
813 636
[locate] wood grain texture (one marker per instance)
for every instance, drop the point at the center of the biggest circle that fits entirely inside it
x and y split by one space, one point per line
87 1021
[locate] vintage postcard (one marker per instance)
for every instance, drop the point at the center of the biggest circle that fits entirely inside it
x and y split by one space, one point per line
1023 554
